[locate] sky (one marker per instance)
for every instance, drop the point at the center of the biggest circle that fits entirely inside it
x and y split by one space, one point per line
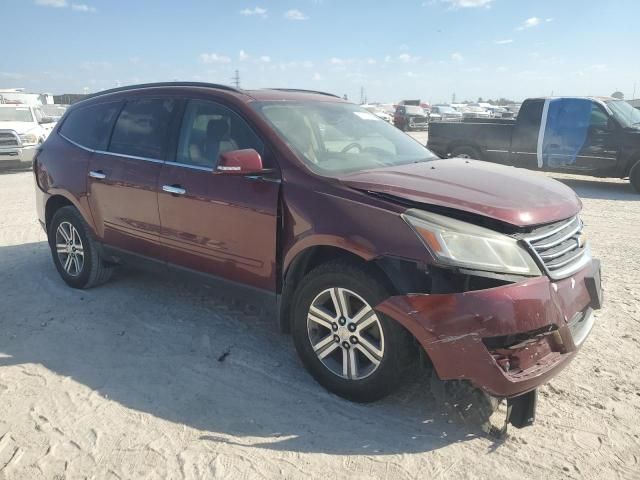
393 49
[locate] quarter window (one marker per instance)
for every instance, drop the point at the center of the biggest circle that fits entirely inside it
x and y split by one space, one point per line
210 129
142 128
90 126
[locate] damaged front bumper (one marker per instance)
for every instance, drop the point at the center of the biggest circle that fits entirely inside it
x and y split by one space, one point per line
506 340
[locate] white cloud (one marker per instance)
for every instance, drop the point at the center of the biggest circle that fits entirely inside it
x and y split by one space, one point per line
265 59
548 20
242 56
529 23
371 61
317 76
52 3
336 61
506 41
295 14
307 64
81 7
214 58
469 3
457 57
406 58
257 11
502 69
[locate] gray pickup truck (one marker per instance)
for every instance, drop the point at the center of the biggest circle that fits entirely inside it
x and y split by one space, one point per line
582 135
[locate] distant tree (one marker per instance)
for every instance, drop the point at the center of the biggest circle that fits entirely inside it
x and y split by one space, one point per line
618 95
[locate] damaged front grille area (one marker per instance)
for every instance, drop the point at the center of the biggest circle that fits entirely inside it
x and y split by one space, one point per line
560 247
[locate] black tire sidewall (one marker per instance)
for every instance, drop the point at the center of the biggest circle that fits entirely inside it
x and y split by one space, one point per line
386 378
634 176
71 215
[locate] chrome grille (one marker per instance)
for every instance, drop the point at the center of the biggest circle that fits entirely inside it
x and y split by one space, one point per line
8 138
561 247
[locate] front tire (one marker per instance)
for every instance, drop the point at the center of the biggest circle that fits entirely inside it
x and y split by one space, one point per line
350 349
75 253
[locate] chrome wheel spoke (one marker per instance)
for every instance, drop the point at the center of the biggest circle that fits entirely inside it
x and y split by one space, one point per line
370 348
76 264
345 363
67 263
353 364
339 299
61 247
328 350
320 317
322 344
362 314
368 354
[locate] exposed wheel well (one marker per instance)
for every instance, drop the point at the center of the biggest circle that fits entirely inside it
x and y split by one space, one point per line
456 146
54 204
398 275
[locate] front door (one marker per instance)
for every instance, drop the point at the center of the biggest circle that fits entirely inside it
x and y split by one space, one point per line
222 225
123 180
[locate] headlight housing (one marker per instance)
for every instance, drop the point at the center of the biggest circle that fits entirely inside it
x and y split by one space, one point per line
28 139
461 244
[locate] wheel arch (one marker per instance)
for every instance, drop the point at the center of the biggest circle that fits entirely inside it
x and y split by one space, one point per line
464 144
398 275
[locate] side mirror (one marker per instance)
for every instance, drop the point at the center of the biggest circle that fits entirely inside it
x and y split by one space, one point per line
240 162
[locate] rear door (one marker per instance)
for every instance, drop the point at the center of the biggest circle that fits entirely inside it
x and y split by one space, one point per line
524 139
221 225
123 179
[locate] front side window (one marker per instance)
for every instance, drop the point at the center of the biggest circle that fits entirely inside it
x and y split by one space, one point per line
210 129
336 138
90 126
142 128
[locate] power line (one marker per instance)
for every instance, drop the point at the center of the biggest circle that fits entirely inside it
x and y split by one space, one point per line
236 79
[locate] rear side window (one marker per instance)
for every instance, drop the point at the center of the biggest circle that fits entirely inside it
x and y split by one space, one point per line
210 129
142 128
90 126
531 113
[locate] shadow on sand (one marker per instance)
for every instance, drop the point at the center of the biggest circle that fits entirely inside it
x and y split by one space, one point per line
156 346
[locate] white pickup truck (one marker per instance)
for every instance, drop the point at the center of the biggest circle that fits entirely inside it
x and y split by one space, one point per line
22 129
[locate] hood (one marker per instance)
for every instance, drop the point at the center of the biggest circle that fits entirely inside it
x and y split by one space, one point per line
506 194
19 127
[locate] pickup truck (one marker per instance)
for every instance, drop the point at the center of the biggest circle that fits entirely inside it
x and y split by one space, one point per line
582 135
22 129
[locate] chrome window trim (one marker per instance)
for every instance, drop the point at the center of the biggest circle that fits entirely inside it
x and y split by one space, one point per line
123 155
186 165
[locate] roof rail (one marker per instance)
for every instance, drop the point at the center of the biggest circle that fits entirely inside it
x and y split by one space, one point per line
301 90
164 84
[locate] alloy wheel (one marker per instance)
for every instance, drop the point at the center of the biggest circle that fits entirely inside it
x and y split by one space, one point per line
69 249
345 333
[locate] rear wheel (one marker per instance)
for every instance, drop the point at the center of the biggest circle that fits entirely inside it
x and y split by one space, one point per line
634 177
75 254
466 152
347 346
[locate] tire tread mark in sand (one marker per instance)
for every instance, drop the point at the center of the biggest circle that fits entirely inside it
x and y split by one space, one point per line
6 441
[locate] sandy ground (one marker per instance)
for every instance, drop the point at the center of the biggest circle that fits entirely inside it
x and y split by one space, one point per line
124 381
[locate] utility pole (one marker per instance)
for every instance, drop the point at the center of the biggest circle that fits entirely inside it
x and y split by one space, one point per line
236 79
363 98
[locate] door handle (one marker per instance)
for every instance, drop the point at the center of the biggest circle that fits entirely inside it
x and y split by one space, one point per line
174 189
98 174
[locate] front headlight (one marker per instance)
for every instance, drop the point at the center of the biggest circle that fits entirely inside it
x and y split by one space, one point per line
456 243
28 139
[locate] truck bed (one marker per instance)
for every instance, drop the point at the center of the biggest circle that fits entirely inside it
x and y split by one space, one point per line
483 135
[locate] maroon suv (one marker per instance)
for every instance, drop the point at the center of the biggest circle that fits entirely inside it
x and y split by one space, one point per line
364 244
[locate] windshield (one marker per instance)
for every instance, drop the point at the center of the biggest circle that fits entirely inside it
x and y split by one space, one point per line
413 110
338 138
625 113
15 114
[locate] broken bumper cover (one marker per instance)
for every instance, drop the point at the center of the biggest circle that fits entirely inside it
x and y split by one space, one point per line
506 340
